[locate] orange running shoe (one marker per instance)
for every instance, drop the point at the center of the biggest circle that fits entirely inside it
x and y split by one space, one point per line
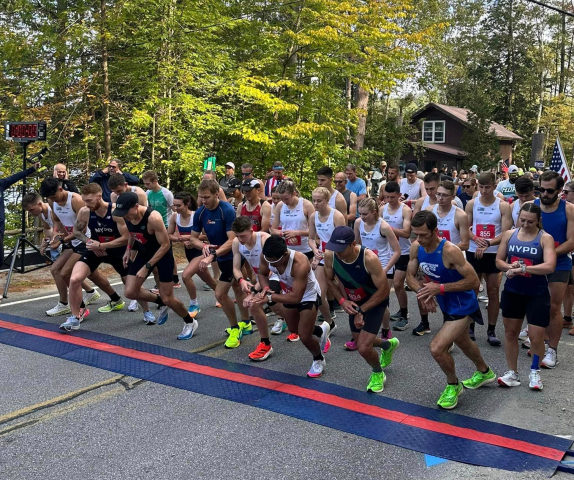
292 337
261 353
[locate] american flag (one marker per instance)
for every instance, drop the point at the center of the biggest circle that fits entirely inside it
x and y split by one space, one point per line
558 163
505 163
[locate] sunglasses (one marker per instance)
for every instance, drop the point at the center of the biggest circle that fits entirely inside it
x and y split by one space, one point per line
246 174
568 191
340 181
466 186
550 191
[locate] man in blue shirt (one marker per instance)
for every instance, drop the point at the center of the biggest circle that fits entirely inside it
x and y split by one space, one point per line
355 184
216 218
101 177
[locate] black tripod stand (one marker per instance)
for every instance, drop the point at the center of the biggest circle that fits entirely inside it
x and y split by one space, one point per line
19 250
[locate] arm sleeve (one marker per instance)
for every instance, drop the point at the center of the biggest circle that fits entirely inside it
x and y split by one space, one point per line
131 179
12 179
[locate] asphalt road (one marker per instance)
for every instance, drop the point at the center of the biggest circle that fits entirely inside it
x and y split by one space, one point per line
59 419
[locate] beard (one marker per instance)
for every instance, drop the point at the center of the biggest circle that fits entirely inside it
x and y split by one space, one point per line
548 201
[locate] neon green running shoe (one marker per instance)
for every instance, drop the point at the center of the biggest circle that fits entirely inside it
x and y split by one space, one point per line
112 306
234 339
376 382
387 355
479 379
449 398
246 327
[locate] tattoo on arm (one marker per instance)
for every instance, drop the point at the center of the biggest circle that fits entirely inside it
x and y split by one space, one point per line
79 229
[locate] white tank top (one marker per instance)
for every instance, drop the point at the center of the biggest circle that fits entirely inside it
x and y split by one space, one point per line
426 202
413 191
312 290
253 256
375 241
396 221
178 221
48 217
446 226
294 219
333 199
515 211
324 229
68 217
486 223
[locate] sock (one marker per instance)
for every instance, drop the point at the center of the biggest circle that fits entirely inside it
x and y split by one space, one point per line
332 324
535 362
487 369
193 301
319 357
425 319
188 319
82 305
159 301
234 326
90 291
490 329
385 331
404 312
176 278
66 303
377 370
266 341
317 331
567 319
472 326
114 297
385 345
455 383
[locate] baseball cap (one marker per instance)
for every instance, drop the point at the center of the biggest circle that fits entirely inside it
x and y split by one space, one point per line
125 202
411 168
340 239
230 164
532 169
232 185
474 169
512 169
249 185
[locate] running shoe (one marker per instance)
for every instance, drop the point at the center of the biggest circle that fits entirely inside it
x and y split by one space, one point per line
492 339
154 290
421 329
333 328
535 382
482 298
479 379
529 353
550 359
526 343
71 324
59 309
261 353
350 345
84 312
316 369
481 287
471 334
188 330
523 335
206 287
397 315
111 306
451 348
324 342
509 379
268 311
292 337
386 335
176 284
163 315
194 310
386 357
376 382
91 297
133 306
279 327
149 318
449 397
246 327
401 325
234 339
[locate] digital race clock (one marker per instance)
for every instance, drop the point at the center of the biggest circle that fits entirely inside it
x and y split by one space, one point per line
25 132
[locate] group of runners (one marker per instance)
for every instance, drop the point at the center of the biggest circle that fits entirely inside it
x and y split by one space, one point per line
341 251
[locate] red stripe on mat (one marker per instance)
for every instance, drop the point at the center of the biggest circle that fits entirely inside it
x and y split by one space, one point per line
326 398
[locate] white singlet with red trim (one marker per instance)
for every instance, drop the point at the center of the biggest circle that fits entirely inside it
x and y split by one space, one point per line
312 290
446 226
375 241
68 218
294 219
396 221
486 223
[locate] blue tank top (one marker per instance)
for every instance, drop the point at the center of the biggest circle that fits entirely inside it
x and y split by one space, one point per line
104 229
556 224
529 253
355 278
434 270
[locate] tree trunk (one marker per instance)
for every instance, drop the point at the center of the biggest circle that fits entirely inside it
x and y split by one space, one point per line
362 106
106 86
562 54
348 97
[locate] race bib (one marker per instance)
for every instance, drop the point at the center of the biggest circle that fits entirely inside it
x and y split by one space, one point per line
376 252
356 295
69 229
139 237
105 239
323 245
556 244
527 261
444 234
293 241
485 230
255 269
285 288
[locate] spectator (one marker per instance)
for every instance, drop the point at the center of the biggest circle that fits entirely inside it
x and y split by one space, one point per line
247 174
469 187
355 184
61 174
229 174
350 197
159 198
101 177
274 180
234 193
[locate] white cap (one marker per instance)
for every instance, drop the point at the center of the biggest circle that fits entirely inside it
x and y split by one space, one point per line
513 169
474 169
230 164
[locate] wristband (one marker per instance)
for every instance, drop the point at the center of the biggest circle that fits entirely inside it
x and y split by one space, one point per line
343 299
239 280
266 288
441 289
129 247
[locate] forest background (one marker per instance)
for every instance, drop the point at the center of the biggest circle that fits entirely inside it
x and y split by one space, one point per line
163 84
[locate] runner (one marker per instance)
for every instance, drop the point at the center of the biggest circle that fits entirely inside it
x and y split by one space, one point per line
216 219
527 255
374 233
118 185
365 297
291 220
525 193
411 187
558 221
247 174
33 204
300 296
490 218
149 235
568 196
321 226
336 199
431 182
399 218
248 245
450 281
259 211
354 183
350 197
452 221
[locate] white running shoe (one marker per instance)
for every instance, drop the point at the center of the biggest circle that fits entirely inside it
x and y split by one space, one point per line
481 288
526 343
149 318
279 327
550 359
482 298
325 336
134 306
523 335
535 381
188 330
316 369
71 324
509 379
91 297
59 309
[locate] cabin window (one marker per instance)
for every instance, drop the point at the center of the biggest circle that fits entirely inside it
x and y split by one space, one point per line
433 131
